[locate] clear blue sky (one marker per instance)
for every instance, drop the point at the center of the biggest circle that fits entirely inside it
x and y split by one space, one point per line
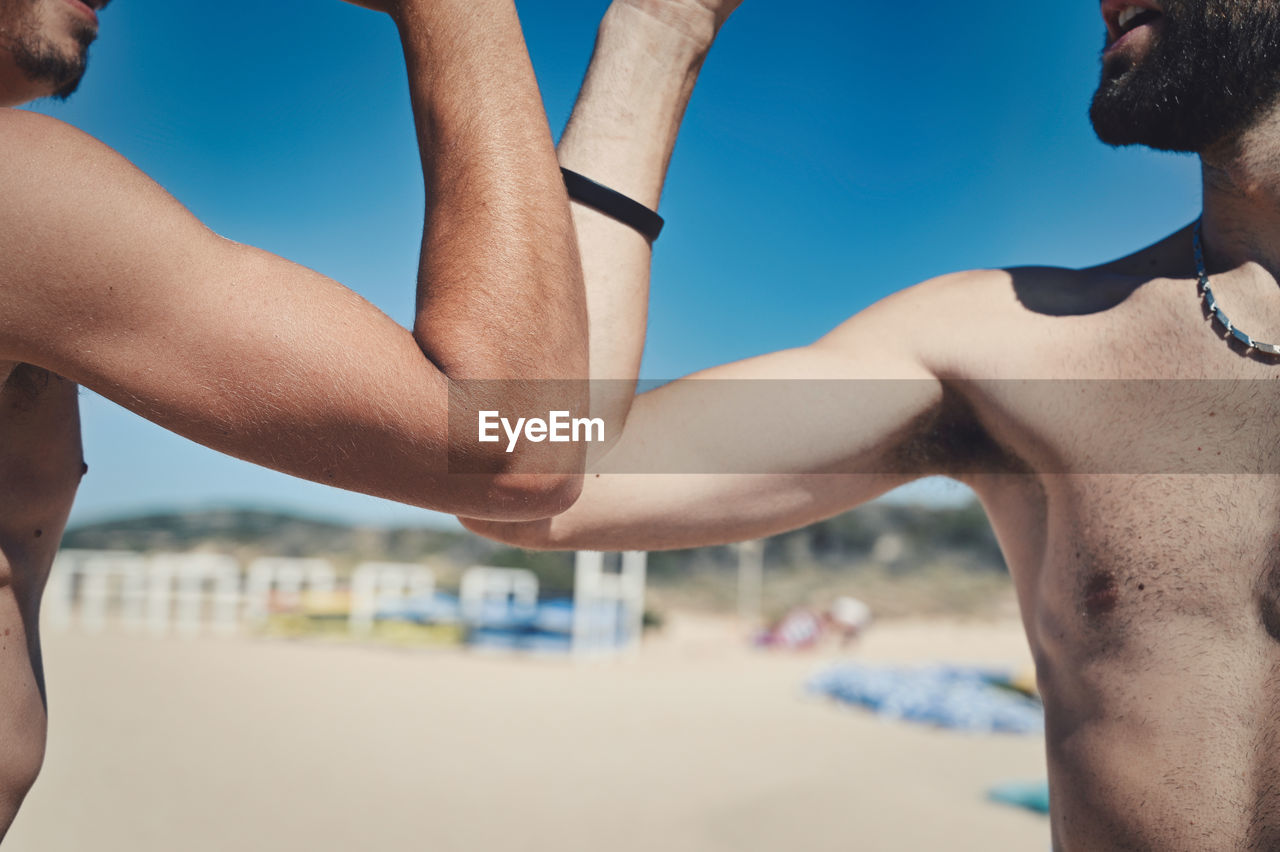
830 157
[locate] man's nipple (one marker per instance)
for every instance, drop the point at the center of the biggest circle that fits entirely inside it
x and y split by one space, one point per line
1269 600
1100 595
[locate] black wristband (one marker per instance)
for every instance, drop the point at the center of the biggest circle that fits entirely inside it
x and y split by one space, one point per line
611 203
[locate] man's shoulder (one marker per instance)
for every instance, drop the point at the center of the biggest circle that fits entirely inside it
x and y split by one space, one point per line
1058 292
935 299
977 299
988 322
18 120
1022 296
28 137
77 222
1014 321
59 183
47 162
931 322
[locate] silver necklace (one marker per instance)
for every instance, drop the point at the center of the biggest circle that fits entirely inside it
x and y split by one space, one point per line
1211 304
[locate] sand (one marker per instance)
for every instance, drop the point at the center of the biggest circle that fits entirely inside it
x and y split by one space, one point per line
697 743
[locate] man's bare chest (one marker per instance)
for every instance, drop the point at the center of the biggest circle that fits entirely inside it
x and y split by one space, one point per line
1156 463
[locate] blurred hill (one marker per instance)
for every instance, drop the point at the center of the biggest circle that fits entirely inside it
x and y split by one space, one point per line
267 532
905 559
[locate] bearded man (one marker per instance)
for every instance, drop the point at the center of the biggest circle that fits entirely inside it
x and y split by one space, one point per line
1117 424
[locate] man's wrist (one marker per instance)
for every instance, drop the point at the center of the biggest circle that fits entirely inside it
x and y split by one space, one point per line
663 49
419 16
624 126
691 24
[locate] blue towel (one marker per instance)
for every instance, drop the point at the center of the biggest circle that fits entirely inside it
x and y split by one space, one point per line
1032 795
959 697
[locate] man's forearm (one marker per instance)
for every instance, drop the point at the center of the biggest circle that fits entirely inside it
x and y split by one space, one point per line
622 134
500 294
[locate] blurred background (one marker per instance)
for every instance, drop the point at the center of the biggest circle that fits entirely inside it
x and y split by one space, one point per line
833 153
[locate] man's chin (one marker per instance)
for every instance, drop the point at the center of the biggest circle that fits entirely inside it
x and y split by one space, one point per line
1126 114
1123 128
1113 122
1123 113
67 89
57 74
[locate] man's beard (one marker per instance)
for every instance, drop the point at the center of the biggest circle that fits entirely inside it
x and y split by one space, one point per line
1210 73
39 59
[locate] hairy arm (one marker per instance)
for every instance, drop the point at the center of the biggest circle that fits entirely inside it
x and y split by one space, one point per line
111 283
779 441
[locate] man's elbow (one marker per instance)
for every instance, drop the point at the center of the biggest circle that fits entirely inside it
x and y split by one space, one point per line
512 497
534 496
532 482
529 535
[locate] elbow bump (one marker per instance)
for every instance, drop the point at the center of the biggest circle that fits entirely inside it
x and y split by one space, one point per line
528 484
527 496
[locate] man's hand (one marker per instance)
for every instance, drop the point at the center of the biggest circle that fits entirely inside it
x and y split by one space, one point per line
699 20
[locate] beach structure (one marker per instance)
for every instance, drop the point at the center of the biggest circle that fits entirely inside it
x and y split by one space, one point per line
501 607
104 582
504 595
379 587
608 605
189 594
751 584
188 591
283 582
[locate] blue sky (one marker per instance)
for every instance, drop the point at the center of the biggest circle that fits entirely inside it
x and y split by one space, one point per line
830 157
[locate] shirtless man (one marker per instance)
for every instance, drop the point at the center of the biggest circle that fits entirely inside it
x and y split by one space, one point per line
1140 518
107 281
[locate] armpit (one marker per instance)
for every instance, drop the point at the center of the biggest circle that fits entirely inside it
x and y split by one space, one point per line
26 383
950 440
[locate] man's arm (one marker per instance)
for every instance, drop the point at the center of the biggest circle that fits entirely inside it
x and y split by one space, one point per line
622 133
772 438
776 442
108 281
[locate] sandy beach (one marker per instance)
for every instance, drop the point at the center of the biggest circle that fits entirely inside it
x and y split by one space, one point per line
696 743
